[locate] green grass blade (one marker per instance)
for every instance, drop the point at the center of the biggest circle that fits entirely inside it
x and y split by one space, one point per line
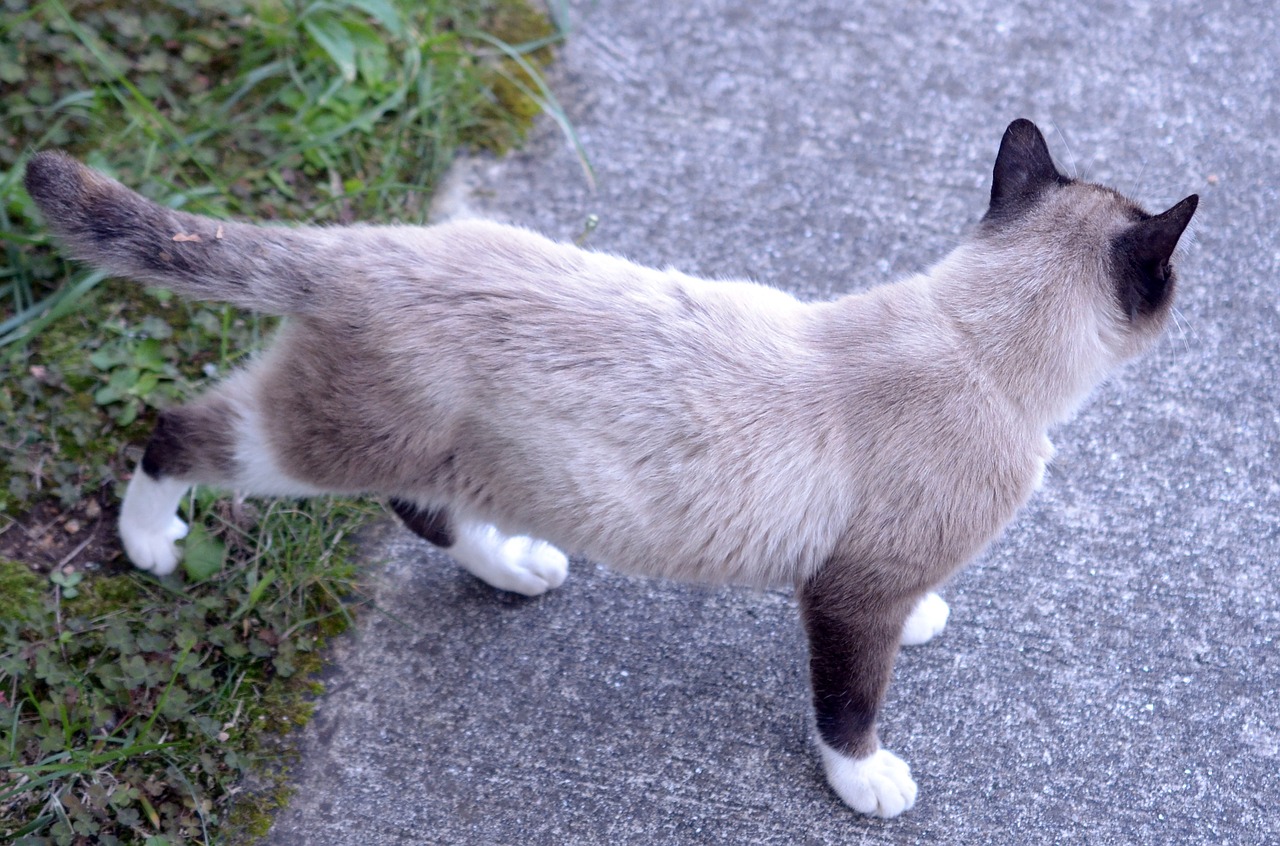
28 325
544 97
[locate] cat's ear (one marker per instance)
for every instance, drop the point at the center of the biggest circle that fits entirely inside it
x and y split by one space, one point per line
1023 169
1153 241
1143 252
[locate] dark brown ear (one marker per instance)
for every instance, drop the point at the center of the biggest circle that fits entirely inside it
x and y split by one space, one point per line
1142 255
1153 241
1023 169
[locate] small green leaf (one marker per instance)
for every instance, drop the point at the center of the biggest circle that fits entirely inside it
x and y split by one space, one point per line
385 13
335 40
203 555
146 384
127 414
136 671
12 72
106 358
284 667
200 678
185 639
118 636
147 355
122 379
156 327
154 641
177 703
68 582
106 395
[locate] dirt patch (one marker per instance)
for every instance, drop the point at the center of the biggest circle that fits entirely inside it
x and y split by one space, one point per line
81 537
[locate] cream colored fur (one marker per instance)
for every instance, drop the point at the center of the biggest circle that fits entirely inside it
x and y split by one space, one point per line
501 387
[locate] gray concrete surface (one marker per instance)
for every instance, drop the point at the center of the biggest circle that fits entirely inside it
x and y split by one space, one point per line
1110 672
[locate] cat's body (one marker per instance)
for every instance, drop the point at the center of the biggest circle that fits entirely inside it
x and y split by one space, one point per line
482 376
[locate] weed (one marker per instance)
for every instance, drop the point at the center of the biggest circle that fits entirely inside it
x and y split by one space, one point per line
131 708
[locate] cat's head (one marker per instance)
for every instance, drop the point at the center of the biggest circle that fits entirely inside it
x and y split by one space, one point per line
1063 279
1116 257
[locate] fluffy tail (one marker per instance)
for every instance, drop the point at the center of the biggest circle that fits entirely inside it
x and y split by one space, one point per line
276 270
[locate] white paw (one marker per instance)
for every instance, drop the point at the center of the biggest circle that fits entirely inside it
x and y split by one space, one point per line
879 784
1046 456
518 564
148 523
151 549
928 618
532 567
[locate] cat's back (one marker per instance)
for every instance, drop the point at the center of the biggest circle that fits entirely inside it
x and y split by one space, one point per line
482 257
506 298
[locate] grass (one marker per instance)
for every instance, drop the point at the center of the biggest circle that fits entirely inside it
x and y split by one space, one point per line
135 707
132 710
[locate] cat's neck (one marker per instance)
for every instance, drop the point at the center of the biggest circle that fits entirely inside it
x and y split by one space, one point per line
1038 352
960 315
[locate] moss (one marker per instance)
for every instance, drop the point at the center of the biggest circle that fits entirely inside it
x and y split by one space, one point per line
19 588
507 119
251 820
100 595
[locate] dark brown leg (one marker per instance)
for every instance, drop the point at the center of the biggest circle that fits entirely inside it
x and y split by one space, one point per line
433 524
196 442
854 631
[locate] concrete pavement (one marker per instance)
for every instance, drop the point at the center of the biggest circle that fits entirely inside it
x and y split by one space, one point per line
1110 673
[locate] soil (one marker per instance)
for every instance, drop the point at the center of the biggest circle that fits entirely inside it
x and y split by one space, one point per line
79 538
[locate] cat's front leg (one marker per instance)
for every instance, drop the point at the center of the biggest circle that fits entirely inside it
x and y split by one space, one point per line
853 638
509 562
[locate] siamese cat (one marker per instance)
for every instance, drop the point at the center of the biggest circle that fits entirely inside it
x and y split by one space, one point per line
518 398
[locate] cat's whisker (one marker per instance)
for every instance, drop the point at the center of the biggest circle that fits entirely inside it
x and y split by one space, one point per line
1173 345
1183 325
1088 171
1071 156
1136 190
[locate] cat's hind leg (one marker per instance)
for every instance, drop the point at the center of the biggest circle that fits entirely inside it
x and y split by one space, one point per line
219 440
515 563
190 444
149 524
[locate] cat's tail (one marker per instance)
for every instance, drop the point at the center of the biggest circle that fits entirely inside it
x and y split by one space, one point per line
269 269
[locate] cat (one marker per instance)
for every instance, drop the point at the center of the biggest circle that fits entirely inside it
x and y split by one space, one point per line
516 397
